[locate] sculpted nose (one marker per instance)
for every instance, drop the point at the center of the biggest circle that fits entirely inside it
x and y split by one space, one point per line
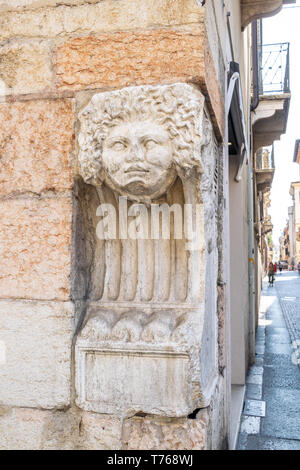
136 153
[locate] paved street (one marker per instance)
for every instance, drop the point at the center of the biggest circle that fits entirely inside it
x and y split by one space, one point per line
271 416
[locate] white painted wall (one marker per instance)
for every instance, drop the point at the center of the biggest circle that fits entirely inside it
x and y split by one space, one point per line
239 289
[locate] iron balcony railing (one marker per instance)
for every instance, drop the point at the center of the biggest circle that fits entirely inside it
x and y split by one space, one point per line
274 68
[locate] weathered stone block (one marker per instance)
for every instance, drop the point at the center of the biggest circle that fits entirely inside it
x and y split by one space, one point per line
81 431
32 429
36 141
159 383
121 59
104 16
34 4
35 248
211 87
145 57
99 432
22 429
61 430
25 67
168 434
36 339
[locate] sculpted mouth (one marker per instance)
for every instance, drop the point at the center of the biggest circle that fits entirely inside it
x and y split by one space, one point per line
136 169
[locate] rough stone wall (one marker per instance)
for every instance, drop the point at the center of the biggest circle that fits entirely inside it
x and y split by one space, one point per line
52 56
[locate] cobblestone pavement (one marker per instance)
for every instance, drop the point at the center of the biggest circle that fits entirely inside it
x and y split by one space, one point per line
271 414
288 290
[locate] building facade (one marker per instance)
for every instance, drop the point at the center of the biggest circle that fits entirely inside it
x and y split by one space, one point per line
264 170
290 241
294 223
294 212
285 247
116 334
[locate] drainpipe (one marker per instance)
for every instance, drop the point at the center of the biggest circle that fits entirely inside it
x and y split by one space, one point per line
251 241
235 79
255 100
251 264
252 257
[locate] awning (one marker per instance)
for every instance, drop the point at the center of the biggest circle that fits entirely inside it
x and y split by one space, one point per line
237 138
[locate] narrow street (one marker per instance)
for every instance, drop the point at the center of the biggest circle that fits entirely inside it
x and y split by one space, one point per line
270 419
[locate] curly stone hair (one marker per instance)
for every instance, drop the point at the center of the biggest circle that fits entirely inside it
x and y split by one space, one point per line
178 107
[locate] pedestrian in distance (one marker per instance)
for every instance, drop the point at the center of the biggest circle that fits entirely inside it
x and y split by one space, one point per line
298 267
292 265
280 267
271 274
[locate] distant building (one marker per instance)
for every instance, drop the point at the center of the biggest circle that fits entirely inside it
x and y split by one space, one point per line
276 253
291 223
294 212
297 154
290 240
294 221
285 245
264 171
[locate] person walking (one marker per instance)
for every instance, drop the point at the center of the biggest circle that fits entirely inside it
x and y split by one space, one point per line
271 273
298 267
280 267
293 265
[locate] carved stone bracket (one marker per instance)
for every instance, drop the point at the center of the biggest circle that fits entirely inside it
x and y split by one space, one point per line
148 311
270 119
264 179
255 9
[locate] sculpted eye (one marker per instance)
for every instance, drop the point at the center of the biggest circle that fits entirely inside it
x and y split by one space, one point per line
150 144
118 145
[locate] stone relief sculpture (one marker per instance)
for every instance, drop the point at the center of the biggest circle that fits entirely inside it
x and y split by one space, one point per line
145 149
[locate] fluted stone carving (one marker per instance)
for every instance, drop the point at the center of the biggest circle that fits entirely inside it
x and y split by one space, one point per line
147 149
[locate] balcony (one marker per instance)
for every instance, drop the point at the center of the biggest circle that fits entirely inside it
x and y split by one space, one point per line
267 225
264 169
254 9
274 73
271 115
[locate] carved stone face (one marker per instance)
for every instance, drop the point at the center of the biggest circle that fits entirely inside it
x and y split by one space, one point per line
138 159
